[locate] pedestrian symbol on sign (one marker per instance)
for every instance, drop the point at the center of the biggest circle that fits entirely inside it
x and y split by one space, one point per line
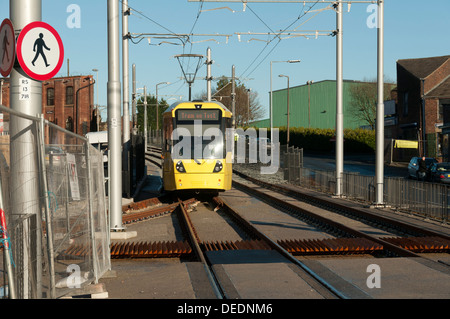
5 48
40 44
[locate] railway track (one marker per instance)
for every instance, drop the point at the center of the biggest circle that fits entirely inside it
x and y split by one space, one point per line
237 237
400 239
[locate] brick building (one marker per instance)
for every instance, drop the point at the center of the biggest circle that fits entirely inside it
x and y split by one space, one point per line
66 101
423 92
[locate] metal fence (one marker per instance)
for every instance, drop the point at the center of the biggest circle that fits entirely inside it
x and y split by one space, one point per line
292 162
53 193
423 198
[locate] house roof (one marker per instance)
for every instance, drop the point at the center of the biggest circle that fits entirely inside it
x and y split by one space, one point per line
423 67
441 91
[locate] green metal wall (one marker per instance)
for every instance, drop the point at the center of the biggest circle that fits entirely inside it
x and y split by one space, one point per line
322 110
261 123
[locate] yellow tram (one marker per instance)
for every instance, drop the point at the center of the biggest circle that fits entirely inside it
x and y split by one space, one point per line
195 153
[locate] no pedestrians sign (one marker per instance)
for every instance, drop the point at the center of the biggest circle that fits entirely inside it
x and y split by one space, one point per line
7 47
40 51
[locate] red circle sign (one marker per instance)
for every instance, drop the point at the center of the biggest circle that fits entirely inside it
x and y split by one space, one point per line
40 51
7 47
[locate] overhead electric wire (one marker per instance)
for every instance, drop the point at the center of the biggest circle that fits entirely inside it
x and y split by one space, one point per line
150 19
301 15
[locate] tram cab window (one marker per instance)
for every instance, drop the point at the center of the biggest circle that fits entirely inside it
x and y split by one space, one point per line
168 128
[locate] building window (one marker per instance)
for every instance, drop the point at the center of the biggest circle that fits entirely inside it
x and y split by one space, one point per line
444 113
441 112
69 124
405 104
69 95
50 96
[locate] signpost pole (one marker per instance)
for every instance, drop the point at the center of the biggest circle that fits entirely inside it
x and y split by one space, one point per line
24 166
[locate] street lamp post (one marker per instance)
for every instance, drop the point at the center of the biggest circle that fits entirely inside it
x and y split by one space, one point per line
285 76
248 106
309 102
157 105
271 94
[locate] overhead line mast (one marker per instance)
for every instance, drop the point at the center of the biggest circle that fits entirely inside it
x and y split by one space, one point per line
338 6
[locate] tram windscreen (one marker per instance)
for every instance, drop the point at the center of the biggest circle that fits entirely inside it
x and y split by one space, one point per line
198 139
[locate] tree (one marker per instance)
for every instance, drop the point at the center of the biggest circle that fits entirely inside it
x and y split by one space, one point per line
244 98
151 112
364 100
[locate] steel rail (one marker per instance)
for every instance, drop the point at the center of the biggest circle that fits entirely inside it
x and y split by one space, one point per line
333 204
389 246
194 240
275 246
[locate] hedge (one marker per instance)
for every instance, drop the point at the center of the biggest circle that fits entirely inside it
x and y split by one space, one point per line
320 140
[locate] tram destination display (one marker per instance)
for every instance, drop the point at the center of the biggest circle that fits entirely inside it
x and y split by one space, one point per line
203 115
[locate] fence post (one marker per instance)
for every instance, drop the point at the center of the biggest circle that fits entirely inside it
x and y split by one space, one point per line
91 219
7 249
48 221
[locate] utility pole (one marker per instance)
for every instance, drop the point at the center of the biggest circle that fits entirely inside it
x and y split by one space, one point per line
339 98
114 117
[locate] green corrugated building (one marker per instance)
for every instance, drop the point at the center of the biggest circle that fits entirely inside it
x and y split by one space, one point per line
312 105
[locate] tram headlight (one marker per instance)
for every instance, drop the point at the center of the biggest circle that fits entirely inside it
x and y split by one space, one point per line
218 167
180 167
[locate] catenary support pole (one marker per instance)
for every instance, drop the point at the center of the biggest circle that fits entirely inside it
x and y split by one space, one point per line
114 116
134 101
23 137
208 74
379 169
233 96
145 118
339 99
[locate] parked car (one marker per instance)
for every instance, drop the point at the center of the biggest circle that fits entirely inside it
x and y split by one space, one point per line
413 166
440 172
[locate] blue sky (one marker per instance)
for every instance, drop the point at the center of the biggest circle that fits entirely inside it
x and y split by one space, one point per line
413 29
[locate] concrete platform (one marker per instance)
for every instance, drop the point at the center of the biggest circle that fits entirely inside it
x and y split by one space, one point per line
400 278
259 274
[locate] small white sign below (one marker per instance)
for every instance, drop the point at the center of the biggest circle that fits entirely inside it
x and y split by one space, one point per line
24 89
73 177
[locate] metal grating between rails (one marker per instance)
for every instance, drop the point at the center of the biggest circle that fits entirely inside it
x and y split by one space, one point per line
426 244
141 204
150 250
152 212
235 245
334 246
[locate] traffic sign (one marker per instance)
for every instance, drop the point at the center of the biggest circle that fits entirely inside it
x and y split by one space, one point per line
40 50
7 47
